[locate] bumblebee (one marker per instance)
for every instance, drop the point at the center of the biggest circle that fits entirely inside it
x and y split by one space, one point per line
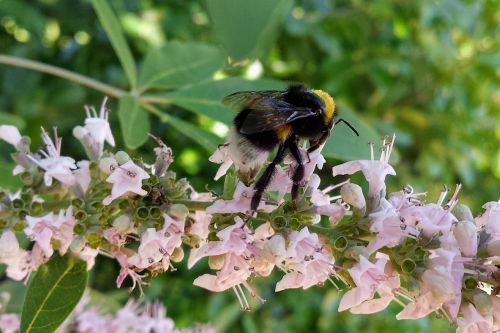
274 118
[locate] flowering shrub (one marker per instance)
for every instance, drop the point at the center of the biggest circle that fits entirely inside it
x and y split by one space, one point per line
428 257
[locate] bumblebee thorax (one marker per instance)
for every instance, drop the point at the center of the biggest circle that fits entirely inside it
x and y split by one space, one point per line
329 110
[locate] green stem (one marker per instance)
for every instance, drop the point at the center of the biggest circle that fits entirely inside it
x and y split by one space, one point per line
193 205
62 73
75 77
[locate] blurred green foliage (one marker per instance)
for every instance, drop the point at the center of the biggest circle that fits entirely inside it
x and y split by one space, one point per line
425 70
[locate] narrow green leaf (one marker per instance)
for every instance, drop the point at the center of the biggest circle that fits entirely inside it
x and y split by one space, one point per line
247 28
206 139
114 31
134 121
206 98
177 64
53 293
343 144
12 119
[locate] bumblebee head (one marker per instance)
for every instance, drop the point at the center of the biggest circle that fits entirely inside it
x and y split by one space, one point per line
329 104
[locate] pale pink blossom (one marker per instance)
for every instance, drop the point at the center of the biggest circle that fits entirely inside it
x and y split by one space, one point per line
126 178
465 233
473 321
82 178
374 171
127 270
221 156
158 246
9 323
240 203
9 246
307 263
45 228
55 165
370 278
437 287
97 124
10 134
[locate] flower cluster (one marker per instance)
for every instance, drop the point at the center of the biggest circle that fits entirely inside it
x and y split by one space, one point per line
149 317
428 257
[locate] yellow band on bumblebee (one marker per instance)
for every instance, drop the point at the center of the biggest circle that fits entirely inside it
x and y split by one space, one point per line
329 103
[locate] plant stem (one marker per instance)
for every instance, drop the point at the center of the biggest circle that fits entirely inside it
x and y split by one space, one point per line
62 73
75 77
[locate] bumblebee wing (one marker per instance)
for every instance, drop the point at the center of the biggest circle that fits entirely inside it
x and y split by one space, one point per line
270 113
244 99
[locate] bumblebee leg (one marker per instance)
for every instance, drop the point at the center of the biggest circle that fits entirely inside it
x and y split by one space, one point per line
299 172
316 144
264 180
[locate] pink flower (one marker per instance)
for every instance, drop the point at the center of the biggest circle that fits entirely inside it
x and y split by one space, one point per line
55 165
374 171
126 178
239 204
441 285
9 245
9 323
82 178
473 321
465 233
45 228
10 134
370 279
122 255
158 246
306 262
221 156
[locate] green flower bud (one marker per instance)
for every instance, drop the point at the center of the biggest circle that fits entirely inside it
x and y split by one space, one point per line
142 213
340 243
177 255
122 157
17 203
470 283
155 212
122 223
463 213
80 215
79 229
77 202
216 262
482 302
408 265
94 240
354 252
27 178
279 222
36 207
178 211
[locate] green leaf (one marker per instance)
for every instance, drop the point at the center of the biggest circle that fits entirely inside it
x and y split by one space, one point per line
114 31
206 98
343 144
53 293
134 121
12 119
177 64
247 28
206 139
8 180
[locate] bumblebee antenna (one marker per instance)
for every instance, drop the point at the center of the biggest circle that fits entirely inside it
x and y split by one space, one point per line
347 123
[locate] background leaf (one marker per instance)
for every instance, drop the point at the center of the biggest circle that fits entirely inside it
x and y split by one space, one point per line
8 180
206 98
134 121
177 64
12 119
344 144
53 293
203 137
247 28
112 26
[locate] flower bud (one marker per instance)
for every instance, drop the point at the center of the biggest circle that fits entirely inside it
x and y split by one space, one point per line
77 244
8 244
216 262
354 252
494 248
79 132
122 223
465 233
408 265
440 285
107 165
178 211
482 302
122 157
353 195
462 213
340 243
177 255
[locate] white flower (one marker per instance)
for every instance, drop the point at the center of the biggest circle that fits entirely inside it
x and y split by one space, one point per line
55 165
126 178
10 134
